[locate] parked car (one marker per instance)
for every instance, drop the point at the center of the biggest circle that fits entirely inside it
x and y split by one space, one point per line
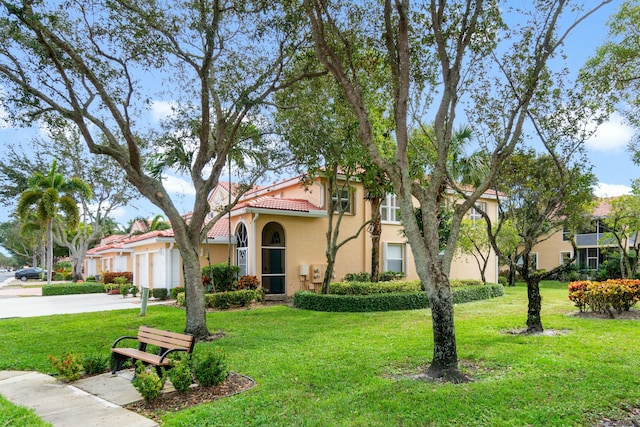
29 273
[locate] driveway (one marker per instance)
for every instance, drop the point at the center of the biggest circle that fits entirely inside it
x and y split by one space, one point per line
28 302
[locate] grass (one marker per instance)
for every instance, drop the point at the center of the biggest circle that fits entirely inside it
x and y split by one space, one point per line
353 369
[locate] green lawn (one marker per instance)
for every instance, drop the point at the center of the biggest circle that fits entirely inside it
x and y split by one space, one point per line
343 369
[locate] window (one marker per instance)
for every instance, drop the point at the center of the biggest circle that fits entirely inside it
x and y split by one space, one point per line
389 209
566 234
341 199
394 257
533 261
474 212
565 257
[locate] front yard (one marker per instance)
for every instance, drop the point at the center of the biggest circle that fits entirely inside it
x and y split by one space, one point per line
354 369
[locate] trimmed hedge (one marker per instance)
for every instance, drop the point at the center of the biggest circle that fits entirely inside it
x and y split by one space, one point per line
224 300
368 288
72 288
389 301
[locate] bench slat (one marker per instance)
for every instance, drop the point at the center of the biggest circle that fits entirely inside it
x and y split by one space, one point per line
164 341
142 355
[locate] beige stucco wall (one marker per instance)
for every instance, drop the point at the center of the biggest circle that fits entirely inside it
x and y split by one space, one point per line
549 251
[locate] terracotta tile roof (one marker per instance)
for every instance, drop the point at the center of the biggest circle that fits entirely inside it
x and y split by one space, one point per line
219 229
278 203
603 208
149 235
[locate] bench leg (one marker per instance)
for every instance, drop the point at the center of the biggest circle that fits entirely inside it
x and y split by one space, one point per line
116 362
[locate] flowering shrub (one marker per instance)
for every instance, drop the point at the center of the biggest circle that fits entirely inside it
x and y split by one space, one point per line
602 297
578 293
68 367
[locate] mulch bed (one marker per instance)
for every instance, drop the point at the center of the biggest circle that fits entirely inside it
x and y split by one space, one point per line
176 401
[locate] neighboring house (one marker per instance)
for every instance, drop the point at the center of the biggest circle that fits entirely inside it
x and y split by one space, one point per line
278 233
592 247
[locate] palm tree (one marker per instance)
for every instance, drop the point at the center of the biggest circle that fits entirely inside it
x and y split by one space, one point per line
51 197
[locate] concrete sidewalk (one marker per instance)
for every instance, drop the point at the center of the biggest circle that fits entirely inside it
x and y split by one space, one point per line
92 402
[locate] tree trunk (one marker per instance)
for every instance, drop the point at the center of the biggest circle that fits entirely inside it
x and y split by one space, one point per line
194 289
49 250
534 321
445 354
376 231
512 272
76 273
331 262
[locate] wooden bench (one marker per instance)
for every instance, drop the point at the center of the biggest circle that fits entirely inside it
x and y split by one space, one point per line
166 341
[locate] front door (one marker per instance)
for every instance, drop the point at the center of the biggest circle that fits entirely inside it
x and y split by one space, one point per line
273 258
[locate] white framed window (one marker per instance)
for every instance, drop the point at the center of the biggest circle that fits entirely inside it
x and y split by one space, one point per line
565 256
474 212
394 257
389 209
342 198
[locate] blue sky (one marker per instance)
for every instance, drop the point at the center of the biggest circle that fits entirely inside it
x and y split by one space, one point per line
606 150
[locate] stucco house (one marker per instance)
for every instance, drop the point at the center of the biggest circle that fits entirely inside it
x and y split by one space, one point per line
277 233
592 247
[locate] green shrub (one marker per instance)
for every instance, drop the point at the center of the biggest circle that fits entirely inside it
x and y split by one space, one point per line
366 288
90 279
475 293
389 276
210 367
72 288
159 293
357 277
503 281
181 299
124 289
455 283
68 276
219 277
147 382
95 364
224 300
175 291
181 375
388 301
58 277
386 276
68 367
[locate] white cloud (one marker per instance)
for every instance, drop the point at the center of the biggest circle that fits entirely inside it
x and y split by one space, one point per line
120 214
611 190
179 186
613 135
161 110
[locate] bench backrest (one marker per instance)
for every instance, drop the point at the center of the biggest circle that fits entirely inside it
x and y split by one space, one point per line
165 339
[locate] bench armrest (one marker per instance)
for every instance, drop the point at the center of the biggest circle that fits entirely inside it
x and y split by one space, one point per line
166 353
123 338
